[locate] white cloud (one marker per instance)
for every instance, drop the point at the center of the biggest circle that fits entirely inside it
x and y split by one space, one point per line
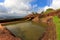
46 7
17 7
40 10
54 5
1 3
17 4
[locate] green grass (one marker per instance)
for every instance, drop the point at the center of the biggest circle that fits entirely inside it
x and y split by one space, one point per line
57 23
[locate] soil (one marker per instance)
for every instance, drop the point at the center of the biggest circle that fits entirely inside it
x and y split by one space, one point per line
6 34
50 33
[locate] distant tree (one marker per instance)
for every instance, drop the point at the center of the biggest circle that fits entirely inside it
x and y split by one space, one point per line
33 13
42 12
36 13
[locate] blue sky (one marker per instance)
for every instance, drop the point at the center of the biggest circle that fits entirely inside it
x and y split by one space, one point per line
40 3
1 0
22 7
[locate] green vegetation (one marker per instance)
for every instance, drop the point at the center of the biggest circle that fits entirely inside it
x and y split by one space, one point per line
57 23
49 10
29 30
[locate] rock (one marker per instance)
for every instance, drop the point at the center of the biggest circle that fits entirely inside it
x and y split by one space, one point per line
36 19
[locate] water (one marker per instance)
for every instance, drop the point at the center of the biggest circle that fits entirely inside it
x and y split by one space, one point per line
26 30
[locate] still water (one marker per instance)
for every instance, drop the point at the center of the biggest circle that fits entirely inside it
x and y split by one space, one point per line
26 30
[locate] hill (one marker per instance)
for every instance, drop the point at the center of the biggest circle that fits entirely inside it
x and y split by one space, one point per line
50 19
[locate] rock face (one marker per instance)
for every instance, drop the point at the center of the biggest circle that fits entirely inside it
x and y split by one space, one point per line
36 19
6 34
32 16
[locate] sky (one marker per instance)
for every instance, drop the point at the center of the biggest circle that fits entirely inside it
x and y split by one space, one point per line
1 0
24 7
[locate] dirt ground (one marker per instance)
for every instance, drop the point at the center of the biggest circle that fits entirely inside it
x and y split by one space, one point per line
50 33
6 34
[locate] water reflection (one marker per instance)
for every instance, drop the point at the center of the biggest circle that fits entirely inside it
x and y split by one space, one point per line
26 30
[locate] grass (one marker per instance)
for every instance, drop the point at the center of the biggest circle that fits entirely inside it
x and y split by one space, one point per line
57 23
